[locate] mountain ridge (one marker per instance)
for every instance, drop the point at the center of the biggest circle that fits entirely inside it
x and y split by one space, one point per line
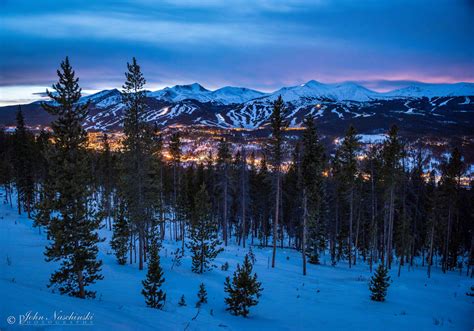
334 106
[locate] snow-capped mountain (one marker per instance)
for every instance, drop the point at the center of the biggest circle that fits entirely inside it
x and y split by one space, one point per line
182 92
419 90
420 108
316 90
226 95
104 98
230 95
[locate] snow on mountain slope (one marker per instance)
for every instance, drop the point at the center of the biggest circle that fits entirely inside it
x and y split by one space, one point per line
229 95
104 98
182 92
317 90
419 90
329 298
226 95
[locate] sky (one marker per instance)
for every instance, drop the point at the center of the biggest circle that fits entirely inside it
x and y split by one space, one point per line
260 44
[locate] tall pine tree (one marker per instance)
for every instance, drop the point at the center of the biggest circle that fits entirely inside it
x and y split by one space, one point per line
312 166
137 184
73 228
23 164
348 170
276 151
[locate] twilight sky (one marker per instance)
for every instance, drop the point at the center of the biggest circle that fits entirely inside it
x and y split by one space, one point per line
260 44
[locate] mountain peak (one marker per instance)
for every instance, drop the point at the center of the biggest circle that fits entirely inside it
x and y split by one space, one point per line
312 83
419 89
193 87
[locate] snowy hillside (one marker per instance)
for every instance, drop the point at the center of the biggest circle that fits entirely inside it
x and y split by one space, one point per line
335 298
420 90
413 109
317 90
226 95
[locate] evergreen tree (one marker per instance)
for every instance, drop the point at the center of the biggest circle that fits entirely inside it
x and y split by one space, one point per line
244 290
391 171
73 228
182 301
202 295
379 283
106 178
204 238
155 297
276 151
175 152
121 234
348 169
224 157
450 185
23 164
6 166
312 166
44 205
136 182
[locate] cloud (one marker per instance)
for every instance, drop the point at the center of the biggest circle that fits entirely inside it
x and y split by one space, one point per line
261 44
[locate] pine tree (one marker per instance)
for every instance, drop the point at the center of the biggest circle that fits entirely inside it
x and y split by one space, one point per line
6 164
312 165
136 182
182 301
348 169
276 151
391 172
121 234
43 206
155 297
73 228
106 178
204 238
450 183
202 295
244 289
23 164
175 152
224 158
379 283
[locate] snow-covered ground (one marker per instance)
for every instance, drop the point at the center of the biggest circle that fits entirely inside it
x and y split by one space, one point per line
328 298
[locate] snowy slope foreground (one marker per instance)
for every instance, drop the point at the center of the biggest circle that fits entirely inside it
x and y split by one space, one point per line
328 298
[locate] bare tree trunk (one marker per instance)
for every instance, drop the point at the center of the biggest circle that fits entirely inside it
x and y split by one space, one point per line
390 227
277 215
357 236
18 201
430 262
131 248
140 248
80 283
351 215
303 236
224 225
446 249
244 168
28 205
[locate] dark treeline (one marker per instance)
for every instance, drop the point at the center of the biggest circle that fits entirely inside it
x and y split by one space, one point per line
375 206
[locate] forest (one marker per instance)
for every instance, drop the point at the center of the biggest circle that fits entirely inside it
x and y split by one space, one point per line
381 207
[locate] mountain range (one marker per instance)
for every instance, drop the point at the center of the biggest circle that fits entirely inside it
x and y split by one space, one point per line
442 109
